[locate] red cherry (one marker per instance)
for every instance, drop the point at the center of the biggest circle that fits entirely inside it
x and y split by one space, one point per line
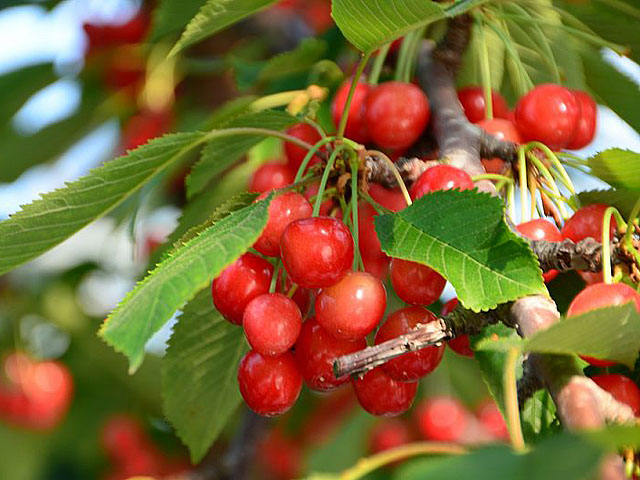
391 199
356 129
440 177
474 106
367 236
442 419
317 13
269 385
325 207
295 154
125 70
283 210
302 296
144 126
622 388
415 365
280 455
600 295
491 419
549 113
316 252
239 283
586 129
271 323
121 435
381 395
270 176
541 229
504 130
315 352
461 344
388 434
353 307
376 266
396 114
415 283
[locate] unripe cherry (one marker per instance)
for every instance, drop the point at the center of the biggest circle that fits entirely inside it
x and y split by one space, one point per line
356 128
272 323
460 344
474 105
270 176
440 177
381 395
415 283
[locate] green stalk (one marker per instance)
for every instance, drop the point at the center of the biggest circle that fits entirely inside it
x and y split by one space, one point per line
628 235
274 278
323 181
485 68
511 400
492 176
522 174
606 242
354 82
549 178
307 158
378 64
357 259
511 199
566 180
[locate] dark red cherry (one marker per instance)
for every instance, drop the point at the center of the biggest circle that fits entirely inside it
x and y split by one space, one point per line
280 455
356 129
239 283
271 323
415 283
295 154
396 114
586 129
622 388
388 198
388 434
474 105
442 419
504 130
381 395
461 344
541 229
283 210
145 126
549 113
353 307
440 177
269 385
415 365
316 252
315 352
270 176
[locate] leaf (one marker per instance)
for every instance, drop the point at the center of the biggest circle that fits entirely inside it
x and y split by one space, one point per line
171 16
48 221
199 384
470 72
619 168
622 199
18 86
216 15
538 417
300 59
178 278
463 235
219 154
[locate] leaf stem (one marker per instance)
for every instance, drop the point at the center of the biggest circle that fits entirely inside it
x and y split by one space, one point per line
325 178
511 400
354 83
378 64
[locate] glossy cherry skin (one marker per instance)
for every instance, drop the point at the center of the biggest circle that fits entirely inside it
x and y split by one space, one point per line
600 295
440 177
415 283
541 229
586 129
270 176
381 395
502 129
549 113
442 419
315 352
367 237
269 385
316 252
461 344
474 105
239 283
283 210
295 154
415 365
271 323
388 434
356 128
396 114
388 198
491 419
622 388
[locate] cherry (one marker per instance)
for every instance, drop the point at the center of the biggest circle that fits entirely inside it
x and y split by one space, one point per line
121 436
440 177
491 419
311 192
504 130
239 283
388 198
396 113
271 323
283 210
269 385
474 105
381 395
622 388
369 243
296 154
460 344
600 295
356 129
144 126
280 455
302 296
315 352
270 176
125 70
317 251
414 365
442 419
388 434
353 307
586 123
378 266
415 283
549 113
541 229
101 36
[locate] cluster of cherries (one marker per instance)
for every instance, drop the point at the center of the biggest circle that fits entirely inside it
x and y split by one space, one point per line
34 394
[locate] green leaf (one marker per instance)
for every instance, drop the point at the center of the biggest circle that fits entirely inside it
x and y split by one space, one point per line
199 384
18 86
622 199
470 72
216 15
538 417
301 59
619 168
45 223
178 278
463 235
171 16
219 154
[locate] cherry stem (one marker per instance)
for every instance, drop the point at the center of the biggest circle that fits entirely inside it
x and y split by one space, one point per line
357 259
553 158
511 200
606 242
522 174
376 69
396 174
492 176
325 178
512 411
376 206
274 278
292 290
307 158
485 68
544 171
354 83
275 100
